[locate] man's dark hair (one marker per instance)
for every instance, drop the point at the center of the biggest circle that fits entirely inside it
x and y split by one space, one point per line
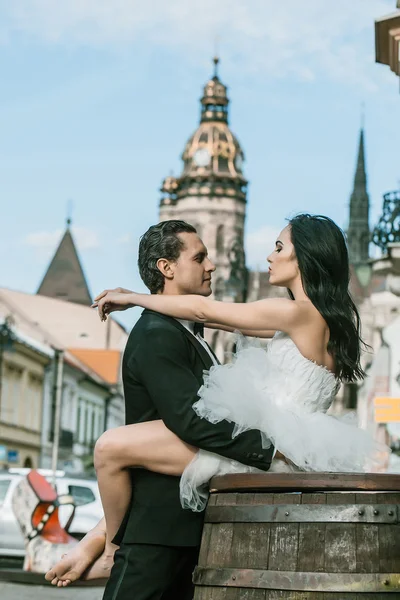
160 241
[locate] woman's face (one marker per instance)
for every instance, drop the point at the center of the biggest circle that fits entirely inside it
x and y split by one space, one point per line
283 267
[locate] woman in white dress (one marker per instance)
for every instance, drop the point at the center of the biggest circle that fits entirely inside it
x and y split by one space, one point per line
283 390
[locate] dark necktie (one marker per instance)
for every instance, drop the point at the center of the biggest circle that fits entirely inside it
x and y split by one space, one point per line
199 328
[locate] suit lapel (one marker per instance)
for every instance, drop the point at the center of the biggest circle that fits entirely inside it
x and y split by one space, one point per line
213 353
201 351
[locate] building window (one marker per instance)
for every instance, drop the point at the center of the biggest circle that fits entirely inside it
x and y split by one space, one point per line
100 426
34 402
82 418
219 289
220 242
11 394
88 424
78 421
93 436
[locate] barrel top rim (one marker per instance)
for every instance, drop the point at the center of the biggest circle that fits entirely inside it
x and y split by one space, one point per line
268 482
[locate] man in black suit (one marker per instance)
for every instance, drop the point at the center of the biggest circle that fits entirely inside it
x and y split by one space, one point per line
163 368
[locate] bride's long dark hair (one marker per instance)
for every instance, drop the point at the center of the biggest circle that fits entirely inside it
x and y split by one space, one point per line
323 260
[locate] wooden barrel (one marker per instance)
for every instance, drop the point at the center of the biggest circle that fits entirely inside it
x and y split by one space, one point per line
301 536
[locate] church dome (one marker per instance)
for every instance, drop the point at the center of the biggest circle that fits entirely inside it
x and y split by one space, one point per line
212 157
213 150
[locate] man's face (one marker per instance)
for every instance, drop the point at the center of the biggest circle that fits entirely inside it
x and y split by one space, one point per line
192 271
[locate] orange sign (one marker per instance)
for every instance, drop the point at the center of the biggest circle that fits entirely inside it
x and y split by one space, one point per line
387 410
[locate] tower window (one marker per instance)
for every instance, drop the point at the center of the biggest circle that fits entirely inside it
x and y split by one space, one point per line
219 289
223 164
220 241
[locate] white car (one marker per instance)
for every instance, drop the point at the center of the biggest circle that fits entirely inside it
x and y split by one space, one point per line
85 493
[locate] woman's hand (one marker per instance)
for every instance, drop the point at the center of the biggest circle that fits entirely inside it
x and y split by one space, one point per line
112 300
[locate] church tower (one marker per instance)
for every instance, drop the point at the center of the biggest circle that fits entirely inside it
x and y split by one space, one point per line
358 233
64 278
210 193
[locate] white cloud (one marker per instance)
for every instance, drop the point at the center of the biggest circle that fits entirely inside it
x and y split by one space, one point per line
259 244
125 239
85 239
43 240
282 38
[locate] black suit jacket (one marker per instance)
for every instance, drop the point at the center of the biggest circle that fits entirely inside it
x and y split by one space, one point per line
162 372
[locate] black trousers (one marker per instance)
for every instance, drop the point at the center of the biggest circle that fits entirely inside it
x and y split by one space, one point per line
147 572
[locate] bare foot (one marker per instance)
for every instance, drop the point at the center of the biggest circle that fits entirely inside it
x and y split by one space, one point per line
73 565
101 568
69 568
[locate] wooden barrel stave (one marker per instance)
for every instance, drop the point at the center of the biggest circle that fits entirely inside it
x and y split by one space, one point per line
303 547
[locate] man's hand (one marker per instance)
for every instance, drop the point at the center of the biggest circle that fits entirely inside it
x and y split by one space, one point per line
112 300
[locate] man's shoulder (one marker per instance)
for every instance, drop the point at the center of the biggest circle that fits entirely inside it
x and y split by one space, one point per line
150 323
154 330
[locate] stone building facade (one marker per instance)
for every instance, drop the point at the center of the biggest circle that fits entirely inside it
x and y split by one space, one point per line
24 372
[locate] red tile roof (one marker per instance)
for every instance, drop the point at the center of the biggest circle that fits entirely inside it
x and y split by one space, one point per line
105 363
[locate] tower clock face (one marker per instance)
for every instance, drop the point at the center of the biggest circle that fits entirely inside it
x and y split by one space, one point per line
202 157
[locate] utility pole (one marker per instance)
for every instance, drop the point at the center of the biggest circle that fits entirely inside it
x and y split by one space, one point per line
59 360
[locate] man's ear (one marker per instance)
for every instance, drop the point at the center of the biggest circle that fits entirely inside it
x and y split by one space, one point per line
166 268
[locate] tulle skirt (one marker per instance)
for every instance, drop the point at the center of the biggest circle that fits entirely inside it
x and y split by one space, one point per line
285 398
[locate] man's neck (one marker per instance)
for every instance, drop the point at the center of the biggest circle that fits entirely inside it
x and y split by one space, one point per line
170 291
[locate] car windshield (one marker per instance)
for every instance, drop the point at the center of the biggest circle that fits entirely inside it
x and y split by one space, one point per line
81 495
4 485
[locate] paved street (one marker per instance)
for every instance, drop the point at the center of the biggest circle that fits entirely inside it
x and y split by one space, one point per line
14 591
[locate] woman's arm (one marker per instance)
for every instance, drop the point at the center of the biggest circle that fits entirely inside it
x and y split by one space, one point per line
273 314
258 333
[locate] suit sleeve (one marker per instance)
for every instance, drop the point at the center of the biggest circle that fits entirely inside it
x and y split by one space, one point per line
164 369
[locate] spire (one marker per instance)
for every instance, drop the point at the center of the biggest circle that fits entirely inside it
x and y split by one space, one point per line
64 278
216 61
360 177
214 103
69 214
358 233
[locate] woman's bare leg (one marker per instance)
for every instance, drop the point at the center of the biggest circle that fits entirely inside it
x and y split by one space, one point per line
149 445
74 564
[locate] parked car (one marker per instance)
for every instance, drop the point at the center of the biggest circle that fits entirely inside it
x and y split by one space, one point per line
85 493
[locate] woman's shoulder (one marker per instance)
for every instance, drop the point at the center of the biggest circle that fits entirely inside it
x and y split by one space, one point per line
302 316
310 316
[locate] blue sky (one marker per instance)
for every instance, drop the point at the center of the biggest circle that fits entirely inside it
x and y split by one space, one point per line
99 97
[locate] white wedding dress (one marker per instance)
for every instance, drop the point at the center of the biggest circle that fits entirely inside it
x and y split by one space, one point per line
285 396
